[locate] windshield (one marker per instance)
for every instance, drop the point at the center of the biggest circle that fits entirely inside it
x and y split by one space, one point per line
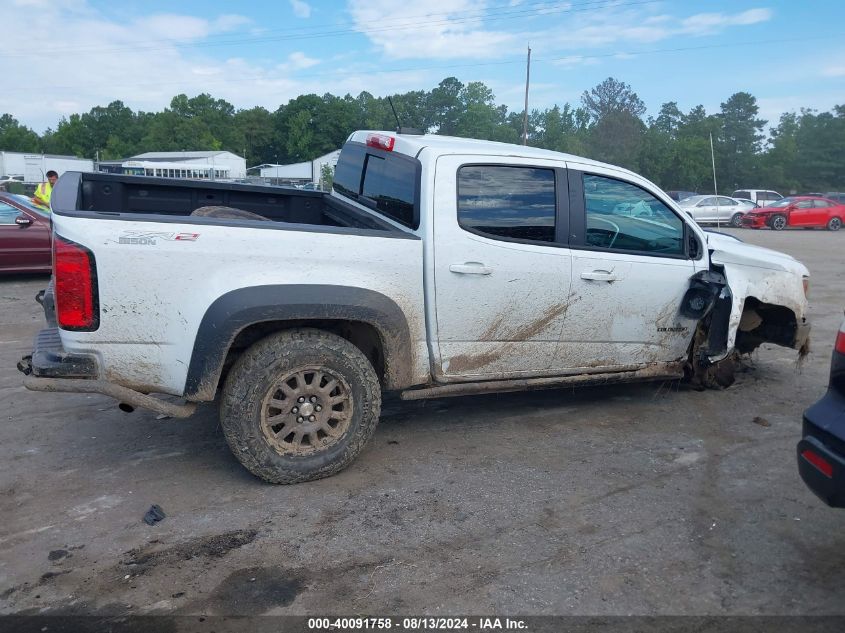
783 202
30 206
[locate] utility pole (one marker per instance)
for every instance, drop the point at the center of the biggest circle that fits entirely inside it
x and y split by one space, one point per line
715 188
525 114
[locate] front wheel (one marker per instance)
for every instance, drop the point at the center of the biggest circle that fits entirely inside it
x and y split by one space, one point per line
736 220
778 222
834 224
299 405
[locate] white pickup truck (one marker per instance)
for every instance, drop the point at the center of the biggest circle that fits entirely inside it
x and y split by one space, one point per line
437 266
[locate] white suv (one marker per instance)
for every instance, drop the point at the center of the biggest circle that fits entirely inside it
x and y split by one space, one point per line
763 197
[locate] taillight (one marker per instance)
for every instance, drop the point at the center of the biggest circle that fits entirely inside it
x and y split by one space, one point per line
381 141
75 280
819 462
840 342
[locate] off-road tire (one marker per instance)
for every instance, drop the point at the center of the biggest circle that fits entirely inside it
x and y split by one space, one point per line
720 375
778 222
834 224
736 220
254 381
700 375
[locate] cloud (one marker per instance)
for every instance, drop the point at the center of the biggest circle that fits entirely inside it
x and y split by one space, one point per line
632 27
180 28
834 71
66 107
229 22
460 29
299 61
707 23
300 9
575 60
449 29
175 27
88 59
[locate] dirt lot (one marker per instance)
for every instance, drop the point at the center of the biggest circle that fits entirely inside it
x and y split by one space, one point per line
646 499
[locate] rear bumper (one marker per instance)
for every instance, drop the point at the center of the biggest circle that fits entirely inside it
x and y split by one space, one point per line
50 360
824 436
51 368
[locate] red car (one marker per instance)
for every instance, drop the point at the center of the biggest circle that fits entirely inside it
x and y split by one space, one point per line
804 211
25 236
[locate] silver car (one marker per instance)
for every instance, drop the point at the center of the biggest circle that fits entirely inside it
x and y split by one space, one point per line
716 209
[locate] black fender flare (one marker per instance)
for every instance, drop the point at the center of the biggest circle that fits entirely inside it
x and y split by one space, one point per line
229 314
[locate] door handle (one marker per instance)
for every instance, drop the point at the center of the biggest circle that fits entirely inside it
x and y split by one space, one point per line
599 275
470 268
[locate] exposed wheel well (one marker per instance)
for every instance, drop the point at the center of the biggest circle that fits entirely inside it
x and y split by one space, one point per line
765 322
362 335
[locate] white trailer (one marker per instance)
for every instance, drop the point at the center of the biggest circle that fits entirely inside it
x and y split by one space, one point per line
34 167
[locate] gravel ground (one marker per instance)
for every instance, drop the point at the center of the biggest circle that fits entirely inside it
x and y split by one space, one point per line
639 499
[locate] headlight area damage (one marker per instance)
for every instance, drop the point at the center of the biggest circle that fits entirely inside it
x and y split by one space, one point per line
750 296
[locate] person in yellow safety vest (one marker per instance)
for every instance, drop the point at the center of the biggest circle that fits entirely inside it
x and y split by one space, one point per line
45 189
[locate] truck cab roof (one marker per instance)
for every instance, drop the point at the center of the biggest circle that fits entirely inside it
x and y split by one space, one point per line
413 144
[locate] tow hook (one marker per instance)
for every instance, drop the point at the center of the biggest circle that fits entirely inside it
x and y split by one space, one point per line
39 298
25 365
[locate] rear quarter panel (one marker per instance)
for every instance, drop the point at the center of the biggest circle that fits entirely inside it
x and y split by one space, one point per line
154 292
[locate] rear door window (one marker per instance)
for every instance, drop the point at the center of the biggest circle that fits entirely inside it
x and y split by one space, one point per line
508 202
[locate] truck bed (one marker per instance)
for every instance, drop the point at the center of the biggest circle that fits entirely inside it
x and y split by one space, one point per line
165 199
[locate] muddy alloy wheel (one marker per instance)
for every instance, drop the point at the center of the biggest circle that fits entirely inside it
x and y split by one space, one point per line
834 224
307 410
736 220
778 222
299 405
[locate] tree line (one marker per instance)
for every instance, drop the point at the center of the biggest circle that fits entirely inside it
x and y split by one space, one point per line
803 151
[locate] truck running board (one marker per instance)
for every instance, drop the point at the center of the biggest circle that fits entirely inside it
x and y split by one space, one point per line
660 371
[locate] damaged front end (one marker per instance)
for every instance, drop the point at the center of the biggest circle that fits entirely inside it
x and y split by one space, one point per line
750 296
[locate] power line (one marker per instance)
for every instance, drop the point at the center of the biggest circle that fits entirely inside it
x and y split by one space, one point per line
490 16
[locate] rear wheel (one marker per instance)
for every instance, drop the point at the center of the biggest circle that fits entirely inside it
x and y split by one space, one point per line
299 405
736 220
834 224
778 222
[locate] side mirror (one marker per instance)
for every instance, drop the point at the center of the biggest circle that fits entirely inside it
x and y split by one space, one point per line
22 220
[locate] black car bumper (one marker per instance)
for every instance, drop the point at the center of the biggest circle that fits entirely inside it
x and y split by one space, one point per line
50 360
821 452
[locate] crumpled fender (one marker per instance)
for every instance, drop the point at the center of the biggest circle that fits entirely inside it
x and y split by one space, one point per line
753 271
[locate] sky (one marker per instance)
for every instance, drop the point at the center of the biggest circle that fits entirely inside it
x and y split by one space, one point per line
59 57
